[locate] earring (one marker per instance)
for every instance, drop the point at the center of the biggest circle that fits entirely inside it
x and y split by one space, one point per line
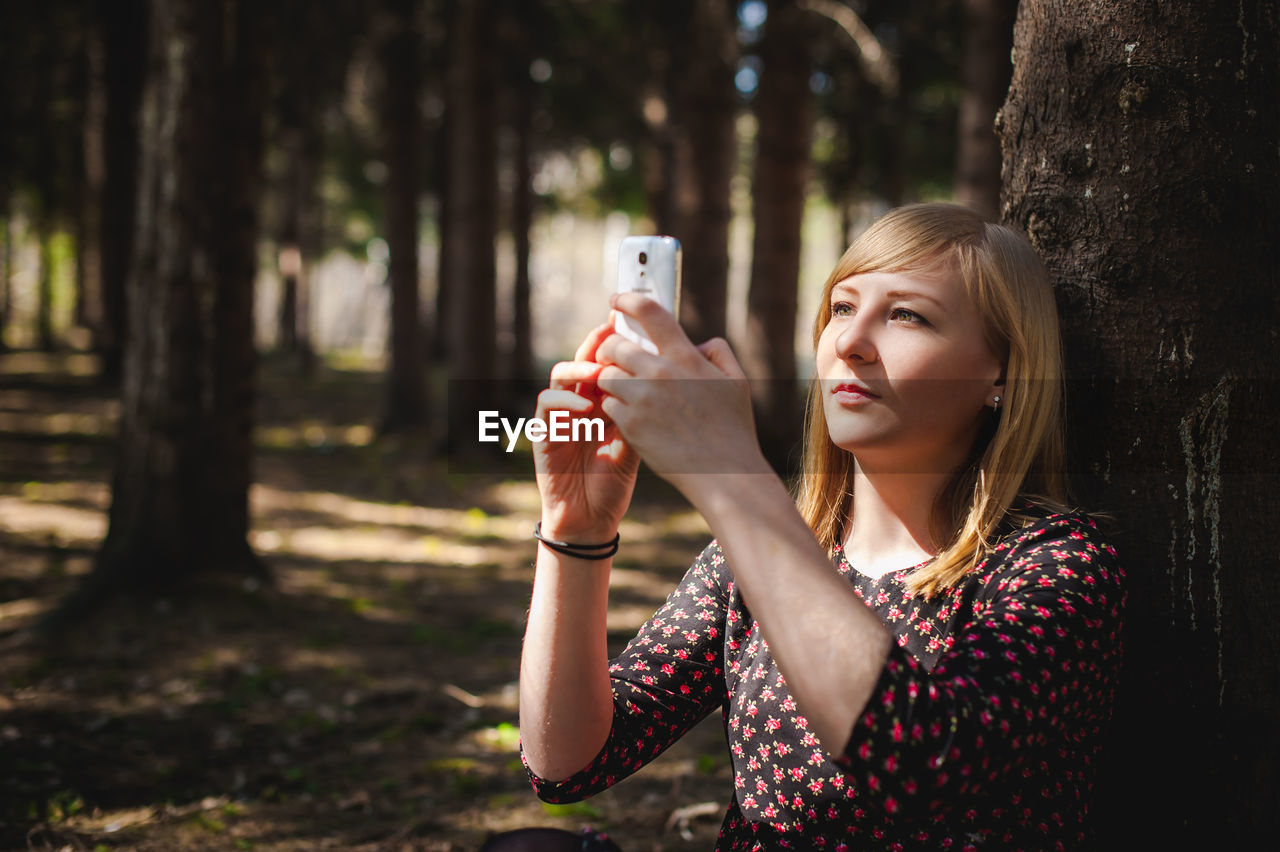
995 403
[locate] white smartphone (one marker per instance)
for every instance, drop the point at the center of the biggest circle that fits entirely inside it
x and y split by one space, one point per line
648 265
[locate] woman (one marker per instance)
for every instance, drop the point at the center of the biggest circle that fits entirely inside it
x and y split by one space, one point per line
918 652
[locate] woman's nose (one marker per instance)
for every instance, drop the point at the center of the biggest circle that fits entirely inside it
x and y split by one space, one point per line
854 340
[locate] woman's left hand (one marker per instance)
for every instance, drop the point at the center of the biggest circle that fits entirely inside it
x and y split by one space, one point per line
687 409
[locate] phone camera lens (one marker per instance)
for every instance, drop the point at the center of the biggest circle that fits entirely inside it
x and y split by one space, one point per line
644 258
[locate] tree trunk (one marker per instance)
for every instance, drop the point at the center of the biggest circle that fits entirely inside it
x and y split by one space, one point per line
988 38
1139 155
473 196
300 239
180 489
522 369
406 404
6 265
442 174
709 106
44 290
124 24
89 305
784 113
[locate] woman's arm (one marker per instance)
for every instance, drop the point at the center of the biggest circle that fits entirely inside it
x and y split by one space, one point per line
828 644
687 411
667 679
566 706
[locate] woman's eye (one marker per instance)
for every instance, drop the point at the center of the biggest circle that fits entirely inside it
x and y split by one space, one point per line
841 309
911 316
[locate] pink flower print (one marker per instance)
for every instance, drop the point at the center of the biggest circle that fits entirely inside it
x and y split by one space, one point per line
766 694
809 739
837 781
782 749
800 721
891 763
764 751
778 774
770 811
748 732
752 710
684 689
749 802
773 724
789 704
816 785
864 751
797 773
817 757
668 669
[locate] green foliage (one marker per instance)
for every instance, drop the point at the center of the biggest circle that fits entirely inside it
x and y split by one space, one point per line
576 809
63 804
208 823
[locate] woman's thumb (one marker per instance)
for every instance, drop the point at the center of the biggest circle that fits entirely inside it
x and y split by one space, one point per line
718 352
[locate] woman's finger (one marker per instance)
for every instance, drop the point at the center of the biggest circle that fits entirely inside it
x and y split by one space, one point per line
615 382
587 351
718 352
633 358
568 374
561 400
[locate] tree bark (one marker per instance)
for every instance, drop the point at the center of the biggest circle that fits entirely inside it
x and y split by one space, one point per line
124 25
406 404
708 111
1139 156
44 291
785 113
473 194
180 488
6 264
522 369
89 306
987 69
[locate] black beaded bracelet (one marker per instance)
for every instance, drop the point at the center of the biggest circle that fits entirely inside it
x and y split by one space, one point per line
576 550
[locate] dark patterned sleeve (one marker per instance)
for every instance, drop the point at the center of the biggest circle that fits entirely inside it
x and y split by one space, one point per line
667 679
1035 669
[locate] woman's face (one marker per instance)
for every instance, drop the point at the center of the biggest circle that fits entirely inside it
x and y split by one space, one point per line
906 372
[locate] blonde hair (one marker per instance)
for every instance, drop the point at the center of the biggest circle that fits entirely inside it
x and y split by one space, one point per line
1019 453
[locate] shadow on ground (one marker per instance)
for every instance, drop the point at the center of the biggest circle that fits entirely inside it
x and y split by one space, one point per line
366 702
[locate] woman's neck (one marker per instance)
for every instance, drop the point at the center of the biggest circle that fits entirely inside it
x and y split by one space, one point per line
892 514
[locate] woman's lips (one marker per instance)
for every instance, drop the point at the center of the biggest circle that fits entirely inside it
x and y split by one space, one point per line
848 393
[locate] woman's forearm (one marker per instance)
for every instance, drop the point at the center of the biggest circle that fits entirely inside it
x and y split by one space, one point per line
829 646
566 705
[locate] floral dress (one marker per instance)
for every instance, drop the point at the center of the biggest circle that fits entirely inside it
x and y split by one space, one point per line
981 732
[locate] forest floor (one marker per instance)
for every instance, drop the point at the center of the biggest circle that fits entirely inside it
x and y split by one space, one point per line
364 701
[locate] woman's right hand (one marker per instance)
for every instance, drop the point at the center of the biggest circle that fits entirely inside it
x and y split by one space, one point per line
586 485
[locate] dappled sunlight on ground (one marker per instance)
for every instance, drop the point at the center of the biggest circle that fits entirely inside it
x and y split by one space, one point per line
366 700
